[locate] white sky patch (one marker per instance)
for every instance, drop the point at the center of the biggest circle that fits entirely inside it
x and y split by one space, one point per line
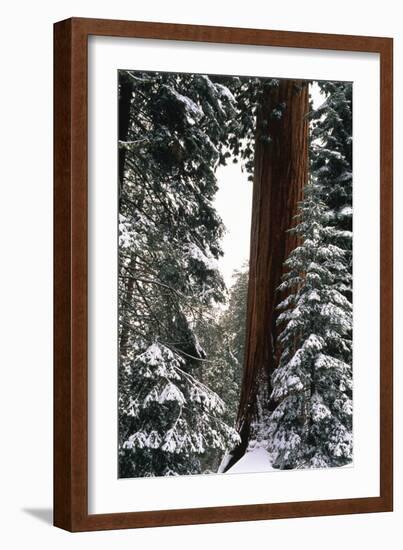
316 95
233 202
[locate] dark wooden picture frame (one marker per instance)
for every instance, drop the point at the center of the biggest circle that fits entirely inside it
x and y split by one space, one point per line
71 281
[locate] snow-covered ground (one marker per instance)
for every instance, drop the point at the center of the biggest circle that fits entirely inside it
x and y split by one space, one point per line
256 460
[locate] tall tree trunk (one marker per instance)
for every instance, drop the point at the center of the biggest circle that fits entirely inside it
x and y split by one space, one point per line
124 116
125 95
280 172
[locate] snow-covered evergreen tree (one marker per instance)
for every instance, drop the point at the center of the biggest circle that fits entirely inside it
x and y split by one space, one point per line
311 425
174 417
169 242
331 157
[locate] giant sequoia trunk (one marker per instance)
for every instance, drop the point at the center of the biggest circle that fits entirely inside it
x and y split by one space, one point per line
280 172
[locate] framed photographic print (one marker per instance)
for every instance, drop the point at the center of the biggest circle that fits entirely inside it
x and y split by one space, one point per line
223 274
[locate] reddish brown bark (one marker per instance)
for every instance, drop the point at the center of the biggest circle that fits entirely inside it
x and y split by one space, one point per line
280 172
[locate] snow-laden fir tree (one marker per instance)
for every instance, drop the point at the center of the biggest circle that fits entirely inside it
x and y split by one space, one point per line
174 417
172 131
331 157
311 425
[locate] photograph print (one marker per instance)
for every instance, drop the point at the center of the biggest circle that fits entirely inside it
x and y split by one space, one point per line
235 274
